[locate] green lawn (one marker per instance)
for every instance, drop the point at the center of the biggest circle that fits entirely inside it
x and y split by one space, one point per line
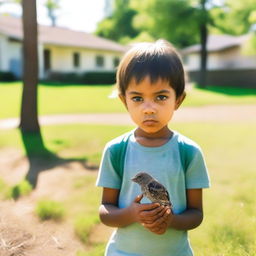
229 205
54 99
229 225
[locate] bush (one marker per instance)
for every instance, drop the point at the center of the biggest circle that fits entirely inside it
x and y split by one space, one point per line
100 78
85 78
48 209
7 76
21 189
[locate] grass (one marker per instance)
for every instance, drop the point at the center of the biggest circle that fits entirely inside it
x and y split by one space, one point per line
83 226
229 205
69 99
57 140
48 209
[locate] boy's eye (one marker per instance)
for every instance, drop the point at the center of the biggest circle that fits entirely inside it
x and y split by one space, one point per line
161 97
137 99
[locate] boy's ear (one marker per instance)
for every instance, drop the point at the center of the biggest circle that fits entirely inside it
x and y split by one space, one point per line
123 99
180 100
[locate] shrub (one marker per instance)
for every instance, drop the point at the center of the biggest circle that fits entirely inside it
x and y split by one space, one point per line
47 209
7 76
92 77
99 77
21 189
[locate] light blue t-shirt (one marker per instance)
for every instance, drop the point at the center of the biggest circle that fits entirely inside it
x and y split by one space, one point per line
164 164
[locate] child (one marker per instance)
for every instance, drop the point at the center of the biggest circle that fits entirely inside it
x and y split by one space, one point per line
150 80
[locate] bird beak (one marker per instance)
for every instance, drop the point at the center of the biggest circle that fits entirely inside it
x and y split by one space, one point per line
133 179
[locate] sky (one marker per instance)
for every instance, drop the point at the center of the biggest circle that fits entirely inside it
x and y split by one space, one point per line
80 15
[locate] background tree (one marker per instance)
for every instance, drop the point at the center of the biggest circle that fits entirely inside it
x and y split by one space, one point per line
118 26
29 114
235 17
182 22
52 6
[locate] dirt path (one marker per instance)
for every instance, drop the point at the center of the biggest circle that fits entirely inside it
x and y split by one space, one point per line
21 231
216 113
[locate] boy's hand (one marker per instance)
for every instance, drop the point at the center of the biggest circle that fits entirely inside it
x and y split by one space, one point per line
162 222
145 213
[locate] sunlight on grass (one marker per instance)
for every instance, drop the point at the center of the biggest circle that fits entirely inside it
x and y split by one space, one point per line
97 250
83 226
95 99
4 190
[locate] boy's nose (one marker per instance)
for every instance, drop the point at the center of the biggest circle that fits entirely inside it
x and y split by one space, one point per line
149 108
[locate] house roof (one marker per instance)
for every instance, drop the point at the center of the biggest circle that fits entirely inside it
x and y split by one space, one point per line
12 27
217 43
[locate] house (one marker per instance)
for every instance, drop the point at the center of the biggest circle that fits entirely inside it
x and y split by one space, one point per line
228 64
60 50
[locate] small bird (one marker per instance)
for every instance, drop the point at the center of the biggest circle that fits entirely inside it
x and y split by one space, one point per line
152 189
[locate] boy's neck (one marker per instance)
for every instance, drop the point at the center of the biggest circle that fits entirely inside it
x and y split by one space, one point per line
153 139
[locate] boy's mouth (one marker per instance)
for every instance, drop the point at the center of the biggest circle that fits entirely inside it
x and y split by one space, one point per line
149 122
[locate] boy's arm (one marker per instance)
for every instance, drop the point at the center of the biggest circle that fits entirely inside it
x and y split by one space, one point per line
193 216
113 216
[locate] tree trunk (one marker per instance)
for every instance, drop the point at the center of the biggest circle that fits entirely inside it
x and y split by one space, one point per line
29 115
203 52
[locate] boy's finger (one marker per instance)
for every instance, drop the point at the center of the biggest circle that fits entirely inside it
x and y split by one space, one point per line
138 198
153 212
149 207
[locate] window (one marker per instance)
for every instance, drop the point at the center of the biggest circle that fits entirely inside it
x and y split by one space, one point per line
47 59
116 61
99 61
76 59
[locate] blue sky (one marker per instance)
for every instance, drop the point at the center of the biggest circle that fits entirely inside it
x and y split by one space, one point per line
75 14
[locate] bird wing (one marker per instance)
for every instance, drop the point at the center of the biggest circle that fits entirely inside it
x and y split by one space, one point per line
158 191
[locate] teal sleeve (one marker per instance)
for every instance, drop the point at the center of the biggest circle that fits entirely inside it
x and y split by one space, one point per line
197 173
107 176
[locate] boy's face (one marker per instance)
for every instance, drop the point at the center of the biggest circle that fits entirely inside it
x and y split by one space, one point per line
151 106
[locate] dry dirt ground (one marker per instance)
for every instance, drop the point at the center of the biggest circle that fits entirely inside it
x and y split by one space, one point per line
21 232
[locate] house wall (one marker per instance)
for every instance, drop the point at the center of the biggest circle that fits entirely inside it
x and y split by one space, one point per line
15 58
232 58
4 53
10 55
62 59
245 78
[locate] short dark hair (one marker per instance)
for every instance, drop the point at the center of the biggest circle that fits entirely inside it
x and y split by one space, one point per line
158 60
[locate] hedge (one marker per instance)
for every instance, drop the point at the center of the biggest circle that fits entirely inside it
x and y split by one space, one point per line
84 78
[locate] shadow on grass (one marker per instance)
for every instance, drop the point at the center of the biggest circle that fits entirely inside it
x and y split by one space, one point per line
41 159
231 91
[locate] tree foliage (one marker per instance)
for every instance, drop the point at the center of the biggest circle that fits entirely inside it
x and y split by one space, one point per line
119 24
52 6
235 17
